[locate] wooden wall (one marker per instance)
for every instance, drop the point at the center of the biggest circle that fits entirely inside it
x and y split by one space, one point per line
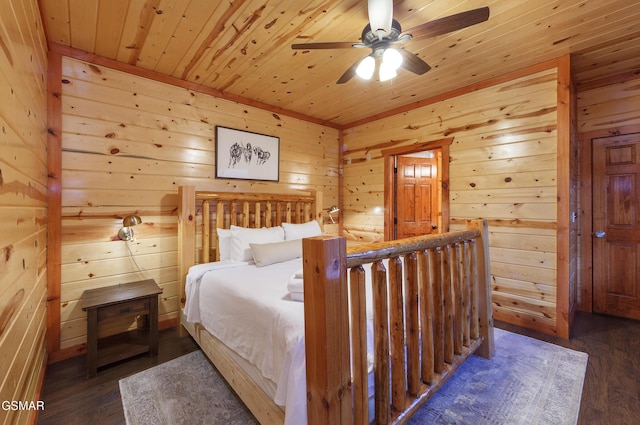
609 107
504 167
604 108
127 144
23 203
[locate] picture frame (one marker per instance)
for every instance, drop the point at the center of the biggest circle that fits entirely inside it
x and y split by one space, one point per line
246 155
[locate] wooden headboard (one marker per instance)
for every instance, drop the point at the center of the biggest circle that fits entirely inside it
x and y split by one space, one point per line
201 211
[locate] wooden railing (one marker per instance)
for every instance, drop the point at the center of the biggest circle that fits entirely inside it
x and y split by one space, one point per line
431 309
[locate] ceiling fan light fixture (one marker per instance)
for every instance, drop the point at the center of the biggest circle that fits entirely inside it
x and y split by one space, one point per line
392 58
366 67
383 31
380 17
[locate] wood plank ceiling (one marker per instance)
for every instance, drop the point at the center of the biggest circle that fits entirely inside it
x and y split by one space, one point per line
242 47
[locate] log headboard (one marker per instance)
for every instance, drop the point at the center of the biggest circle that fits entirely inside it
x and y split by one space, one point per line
201 211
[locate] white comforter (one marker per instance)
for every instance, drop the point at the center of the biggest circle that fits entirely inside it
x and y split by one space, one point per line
250 309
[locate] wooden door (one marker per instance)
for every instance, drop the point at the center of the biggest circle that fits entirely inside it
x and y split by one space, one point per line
616 226
416 196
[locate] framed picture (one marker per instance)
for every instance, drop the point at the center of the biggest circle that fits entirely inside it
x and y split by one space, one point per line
247 156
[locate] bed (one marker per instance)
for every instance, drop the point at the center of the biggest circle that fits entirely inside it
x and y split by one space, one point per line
381 326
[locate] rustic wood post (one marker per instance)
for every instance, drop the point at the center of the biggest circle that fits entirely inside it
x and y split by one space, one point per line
487 349
381 343
412 327
206 232
326 322
360 378
318 208
186 236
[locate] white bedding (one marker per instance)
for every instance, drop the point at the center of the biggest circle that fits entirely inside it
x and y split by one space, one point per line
250 309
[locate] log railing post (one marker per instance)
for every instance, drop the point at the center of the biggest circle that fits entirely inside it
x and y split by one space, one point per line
485 315
467 292
360 381
426 313
435 277
326 312
447 303
398 344
381 343
412 323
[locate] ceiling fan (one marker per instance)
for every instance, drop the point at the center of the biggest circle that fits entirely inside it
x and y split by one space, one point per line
383 33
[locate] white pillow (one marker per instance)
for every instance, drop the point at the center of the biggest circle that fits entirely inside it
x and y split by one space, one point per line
224 243
241 237
299 231
277 252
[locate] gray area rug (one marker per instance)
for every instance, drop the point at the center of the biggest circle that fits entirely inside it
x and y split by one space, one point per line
527 382
184 391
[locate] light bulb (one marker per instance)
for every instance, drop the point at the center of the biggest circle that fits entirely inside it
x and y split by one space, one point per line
392 58
366 67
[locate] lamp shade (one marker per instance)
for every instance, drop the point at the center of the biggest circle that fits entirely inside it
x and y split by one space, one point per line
131 220
387 71
392 57
380 16
366 67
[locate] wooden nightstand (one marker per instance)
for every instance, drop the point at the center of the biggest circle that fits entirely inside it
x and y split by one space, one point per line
114 303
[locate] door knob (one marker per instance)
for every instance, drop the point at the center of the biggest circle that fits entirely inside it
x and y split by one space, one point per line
599 234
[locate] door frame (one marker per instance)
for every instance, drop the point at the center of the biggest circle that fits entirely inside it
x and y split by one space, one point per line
390 180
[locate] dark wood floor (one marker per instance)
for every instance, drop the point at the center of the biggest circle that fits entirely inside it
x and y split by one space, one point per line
72 399
611 393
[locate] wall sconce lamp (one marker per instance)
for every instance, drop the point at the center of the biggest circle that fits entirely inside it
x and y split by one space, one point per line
126 233
333 210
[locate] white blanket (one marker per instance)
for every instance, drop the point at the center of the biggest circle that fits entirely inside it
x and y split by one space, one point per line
192 286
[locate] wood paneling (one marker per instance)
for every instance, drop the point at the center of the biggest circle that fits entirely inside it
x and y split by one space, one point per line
127 144
504 163
130 141
242 48
23 204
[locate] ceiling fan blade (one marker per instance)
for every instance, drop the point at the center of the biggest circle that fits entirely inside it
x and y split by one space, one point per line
327 45
413 63
349 73
450 23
